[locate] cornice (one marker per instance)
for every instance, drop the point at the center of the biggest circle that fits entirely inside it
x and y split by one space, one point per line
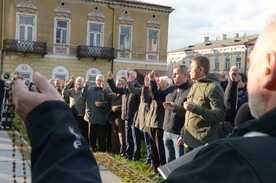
130 4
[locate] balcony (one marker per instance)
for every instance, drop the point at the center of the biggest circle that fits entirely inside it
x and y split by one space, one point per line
95 52
32 47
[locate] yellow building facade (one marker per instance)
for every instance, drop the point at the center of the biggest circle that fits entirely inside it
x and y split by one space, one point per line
82 37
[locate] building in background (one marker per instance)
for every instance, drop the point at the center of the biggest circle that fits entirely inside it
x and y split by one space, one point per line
82 38
223 52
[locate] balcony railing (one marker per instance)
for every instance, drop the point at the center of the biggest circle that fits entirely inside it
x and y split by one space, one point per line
35 47
95 52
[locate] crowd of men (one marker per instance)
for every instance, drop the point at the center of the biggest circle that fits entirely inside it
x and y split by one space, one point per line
174 116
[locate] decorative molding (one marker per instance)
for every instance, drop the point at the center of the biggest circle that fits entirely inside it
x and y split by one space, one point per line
124 55
216 55
226 55
61 50
237 54
152 57
132 5
96 15
26 7
208 56
126 19
153 23
62 11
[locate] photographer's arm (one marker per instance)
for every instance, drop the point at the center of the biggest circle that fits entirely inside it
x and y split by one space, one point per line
49 121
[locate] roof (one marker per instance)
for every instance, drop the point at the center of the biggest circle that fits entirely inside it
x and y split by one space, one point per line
144 3
144 72
218 43
252 41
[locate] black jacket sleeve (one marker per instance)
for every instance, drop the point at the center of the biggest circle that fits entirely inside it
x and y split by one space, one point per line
59 152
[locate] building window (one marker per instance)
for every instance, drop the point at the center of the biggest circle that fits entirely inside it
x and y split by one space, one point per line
91 74
25 71
216 64
26 27
62 32
238 62
60 72
227 64
95 33
153 40
125 38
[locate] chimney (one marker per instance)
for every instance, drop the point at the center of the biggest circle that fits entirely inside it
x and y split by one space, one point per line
223 36
206 39
235 35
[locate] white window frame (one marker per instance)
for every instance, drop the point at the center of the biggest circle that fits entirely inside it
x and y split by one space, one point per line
238 62
149 40
130 38
216 64
227 64
101 34
67 31
18 15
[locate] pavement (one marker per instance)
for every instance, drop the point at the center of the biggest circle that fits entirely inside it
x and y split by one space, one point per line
6 163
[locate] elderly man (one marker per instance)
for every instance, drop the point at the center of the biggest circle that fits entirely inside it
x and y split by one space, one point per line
249 156
96 110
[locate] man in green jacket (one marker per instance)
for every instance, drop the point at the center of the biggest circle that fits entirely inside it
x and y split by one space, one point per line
204 106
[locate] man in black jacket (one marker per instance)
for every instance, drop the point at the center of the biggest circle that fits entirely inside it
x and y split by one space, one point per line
249 156
130 103
173 123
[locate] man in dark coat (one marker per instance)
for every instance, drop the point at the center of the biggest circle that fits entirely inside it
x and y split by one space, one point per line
130 103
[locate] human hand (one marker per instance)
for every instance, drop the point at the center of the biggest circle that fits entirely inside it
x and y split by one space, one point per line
189 106
146 81
98 104
168 105
103 86
128 78
152 75
72 77
110 75
114 108
180 141
25 101
233 73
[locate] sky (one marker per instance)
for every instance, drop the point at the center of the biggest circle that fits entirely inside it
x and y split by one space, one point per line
192 20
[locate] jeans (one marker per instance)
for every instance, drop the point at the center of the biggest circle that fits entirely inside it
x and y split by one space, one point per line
172 150
133 141
146 137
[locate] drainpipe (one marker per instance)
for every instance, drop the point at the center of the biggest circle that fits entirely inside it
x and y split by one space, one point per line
112 37
2 37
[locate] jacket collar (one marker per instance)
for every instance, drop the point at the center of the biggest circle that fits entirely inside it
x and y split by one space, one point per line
184 86
265 124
